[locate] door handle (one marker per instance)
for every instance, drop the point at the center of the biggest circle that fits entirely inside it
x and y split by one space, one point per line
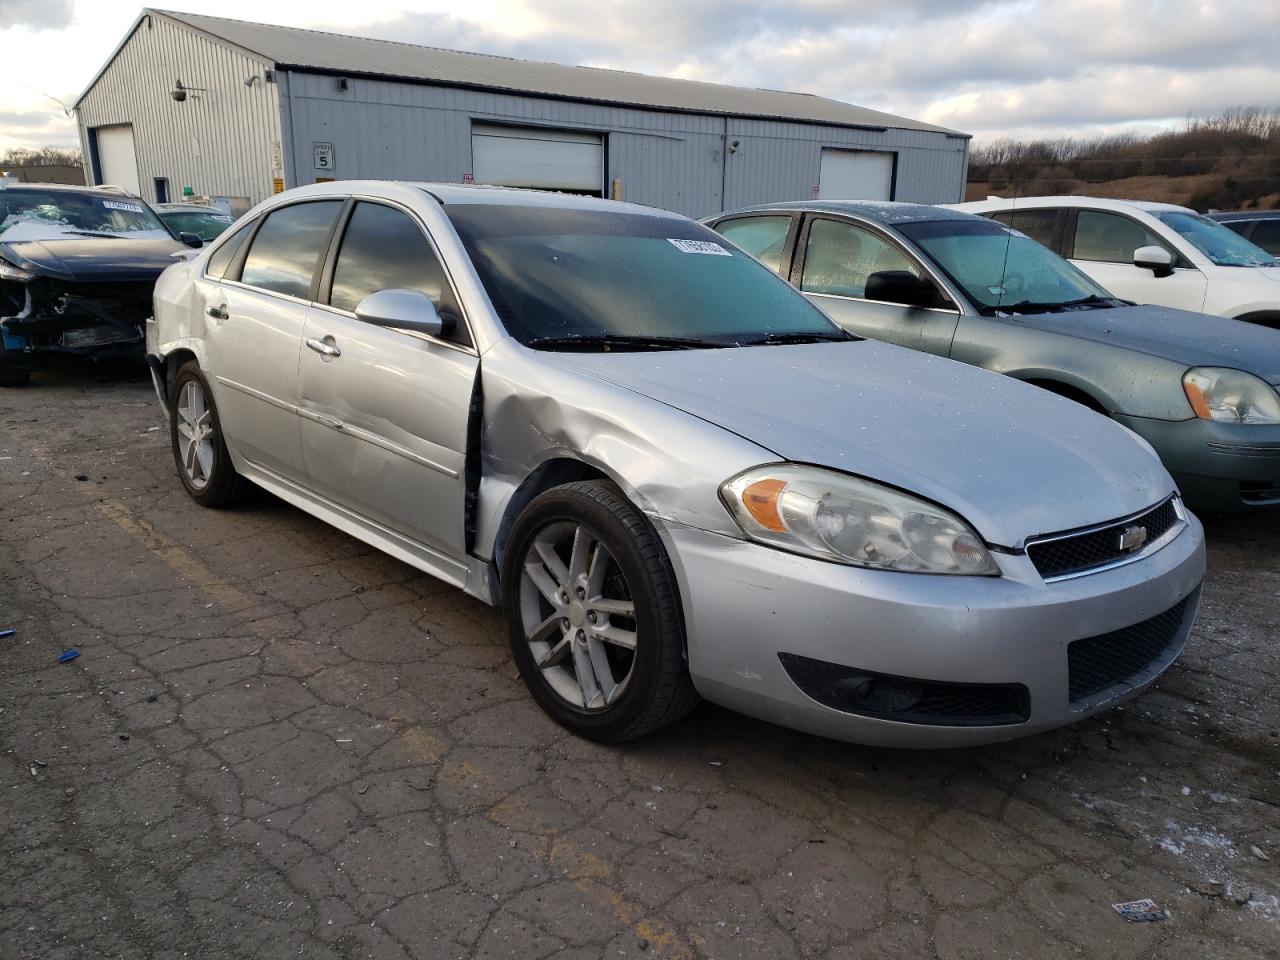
218 313
323 348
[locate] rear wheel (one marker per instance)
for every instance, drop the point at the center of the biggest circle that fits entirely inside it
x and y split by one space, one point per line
204 465
592 616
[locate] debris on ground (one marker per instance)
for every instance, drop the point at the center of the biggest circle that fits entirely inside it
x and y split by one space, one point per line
1259 853
68 656
6 633
1140 911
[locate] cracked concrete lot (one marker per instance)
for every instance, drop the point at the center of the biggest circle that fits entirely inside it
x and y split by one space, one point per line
277 742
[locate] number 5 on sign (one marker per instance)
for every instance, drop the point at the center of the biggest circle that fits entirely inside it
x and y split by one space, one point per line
322 154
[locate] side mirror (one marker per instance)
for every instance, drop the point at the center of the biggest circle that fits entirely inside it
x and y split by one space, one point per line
1156 259
191 240
900 286
404 310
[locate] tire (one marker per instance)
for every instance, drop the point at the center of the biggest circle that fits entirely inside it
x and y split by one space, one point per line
204 465
11 375
650 682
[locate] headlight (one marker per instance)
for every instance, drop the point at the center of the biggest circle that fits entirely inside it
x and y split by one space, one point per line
1230 396
9 272
833 516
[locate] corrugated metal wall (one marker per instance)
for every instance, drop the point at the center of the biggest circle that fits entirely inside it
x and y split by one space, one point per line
671 160
220 142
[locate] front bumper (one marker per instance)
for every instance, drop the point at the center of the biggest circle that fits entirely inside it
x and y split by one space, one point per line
746 604
1218 466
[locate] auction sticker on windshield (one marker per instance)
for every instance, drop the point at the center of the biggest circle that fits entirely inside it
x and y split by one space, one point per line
700 246
115 205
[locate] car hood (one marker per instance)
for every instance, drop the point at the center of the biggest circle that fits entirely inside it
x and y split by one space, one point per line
1012 459
1192 339
82 259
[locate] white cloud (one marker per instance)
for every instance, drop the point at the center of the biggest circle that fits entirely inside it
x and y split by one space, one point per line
990 67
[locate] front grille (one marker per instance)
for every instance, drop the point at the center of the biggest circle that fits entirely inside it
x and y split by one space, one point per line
1063 556
1097 663
907 699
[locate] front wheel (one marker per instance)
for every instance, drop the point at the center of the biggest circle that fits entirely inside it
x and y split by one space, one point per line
204 465
592 616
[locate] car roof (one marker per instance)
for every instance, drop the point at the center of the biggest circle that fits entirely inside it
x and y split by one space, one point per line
1096 203
1246 215
60 188
886 212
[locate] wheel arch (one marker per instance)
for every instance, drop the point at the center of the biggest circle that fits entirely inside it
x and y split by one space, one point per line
1263 318
1070 391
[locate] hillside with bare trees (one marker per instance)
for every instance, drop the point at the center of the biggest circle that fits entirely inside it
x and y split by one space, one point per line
1227 162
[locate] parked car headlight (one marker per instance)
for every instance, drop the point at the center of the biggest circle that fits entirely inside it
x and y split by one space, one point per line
1230 396
833 516
9 272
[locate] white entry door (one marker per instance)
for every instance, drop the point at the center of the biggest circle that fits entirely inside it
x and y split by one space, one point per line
116 157
536 157
855 175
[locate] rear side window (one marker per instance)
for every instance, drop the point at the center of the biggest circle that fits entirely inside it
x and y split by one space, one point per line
1267 236
1040 225
840 257
1109 237
1239 226
765 238
384 249
221 258
285 252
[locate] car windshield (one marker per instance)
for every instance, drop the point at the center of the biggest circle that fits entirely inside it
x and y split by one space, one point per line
204 224
1220 244
600 280
1001 268
54 214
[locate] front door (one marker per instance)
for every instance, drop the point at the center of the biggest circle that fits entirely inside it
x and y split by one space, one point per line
385 412
1102 246
832 269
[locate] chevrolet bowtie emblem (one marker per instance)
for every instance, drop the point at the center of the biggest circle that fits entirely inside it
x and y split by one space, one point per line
1132 538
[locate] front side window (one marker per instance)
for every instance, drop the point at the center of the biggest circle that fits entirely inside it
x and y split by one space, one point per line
286 250
1001 269
840 257
765 238
206 226
1110 237
591 277
384 249
1267 236
1222 246
57 214
1040 225
221 258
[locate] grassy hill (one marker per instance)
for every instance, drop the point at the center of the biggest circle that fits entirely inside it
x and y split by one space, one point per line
1227 162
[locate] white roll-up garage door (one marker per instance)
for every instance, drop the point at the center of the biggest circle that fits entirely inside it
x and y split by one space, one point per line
539 158
855 175
116 157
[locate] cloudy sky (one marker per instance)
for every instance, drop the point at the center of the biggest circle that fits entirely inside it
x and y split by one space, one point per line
990 67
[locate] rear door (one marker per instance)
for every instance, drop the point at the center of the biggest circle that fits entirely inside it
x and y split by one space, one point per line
385 412
255 310
767 237
1102 242
833 260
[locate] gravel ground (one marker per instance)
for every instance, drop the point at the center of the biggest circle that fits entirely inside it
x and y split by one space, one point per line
277 742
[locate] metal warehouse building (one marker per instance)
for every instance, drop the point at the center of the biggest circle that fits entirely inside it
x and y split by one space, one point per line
241 110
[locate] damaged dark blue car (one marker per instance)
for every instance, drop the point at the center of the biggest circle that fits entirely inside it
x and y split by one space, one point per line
77 267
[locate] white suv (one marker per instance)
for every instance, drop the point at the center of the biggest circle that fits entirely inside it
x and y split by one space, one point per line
1151 252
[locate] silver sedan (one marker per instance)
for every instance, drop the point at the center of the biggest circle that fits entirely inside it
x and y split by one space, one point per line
674 474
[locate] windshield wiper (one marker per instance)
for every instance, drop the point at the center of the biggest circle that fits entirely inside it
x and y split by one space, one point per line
605 342
93 233
812 336
1031 306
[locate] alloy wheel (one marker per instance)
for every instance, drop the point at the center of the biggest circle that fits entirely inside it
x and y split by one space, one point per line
578 616
195 434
